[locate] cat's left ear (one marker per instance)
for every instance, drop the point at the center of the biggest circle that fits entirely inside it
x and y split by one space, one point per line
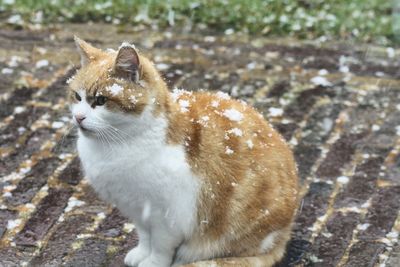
88 52
127 63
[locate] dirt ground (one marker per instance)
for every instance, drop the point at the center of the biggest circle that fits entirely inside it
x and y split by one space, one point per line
338 105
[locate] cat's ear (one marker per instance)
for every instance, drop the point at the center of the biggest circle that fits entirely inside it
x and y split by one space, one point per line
127 63
88 52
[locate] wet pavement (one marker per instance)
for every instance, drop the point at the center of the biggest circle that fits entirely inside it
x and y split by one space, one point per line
338 105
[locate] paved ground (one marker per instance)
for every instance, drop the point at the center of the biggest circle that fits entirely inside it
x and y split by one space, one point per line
337 104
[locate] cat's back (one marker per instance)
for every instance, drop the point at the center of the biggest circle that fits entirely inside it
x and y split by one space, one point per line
248 172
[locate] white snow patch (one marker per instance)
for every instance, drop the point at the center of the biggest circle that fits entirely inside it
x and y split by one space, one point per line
176 93
21 130
393 235
184 104
162 66
275 112
223 95
128 227
7 71
236 131
57 125
70 79
7 194
390 52
18 110
133 99
233 114
72 203
228 150
214 104
343 179
252 65
14 61
115 89
42 63
323 72
250 144
398 130
344 69
205 118
318 80
375 127
101 215
363 227
15 19
11 224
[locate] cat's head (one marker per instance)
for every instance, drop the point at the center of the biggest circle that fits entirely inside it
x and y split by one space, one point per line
111 87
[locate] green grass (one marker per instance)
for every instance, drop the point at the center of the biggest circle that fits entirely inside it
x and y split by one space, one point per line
365 20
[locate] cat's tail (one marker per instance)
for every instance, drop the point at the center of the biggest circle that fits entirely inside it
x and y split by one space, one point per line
267 260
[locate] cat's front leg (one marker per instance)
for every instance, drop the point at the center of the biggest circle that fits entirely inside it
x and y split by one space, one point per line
164 242
141 251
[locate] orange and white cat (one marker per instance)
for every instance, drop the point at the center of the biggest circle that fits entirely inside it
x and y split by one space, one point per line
202 176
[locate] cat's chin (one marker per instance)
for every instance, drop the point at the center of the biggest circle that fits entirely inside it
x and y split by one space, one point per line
87 132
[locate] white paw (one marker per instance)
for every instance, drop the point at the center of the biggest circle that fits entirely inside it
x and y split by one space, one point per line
154 262
135 256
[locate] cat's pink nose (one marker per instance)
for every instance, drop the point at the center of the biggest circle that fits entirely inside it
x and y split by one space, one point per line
79 118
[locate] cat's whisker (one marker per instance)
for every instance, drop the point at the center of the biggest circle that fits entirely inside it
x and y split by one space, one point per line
117 135
112 136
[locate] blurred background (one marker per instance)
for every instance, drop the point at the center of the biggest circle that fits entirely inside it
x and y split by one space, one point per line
364 20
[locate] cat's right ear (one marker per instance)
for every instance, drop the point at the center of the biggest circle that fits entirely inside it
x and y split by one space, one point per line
88 52
127 63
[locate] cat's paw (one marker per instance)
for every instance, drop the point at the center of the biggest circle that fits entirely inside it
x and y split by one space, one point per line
135 256
154 262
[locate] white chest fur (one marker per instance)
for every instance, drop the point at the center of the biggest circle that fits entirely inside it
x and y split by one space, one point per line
143 176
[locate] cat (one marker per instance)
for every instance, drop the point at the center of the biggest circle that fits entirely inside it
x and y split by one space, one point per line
204 178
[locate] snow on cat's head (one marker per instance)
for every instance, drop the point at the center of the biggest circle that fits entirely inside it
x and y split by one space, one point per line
109 86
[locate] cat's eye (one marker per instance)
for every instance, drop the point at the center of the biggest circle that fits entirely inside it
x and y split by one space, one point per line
77 96
100 100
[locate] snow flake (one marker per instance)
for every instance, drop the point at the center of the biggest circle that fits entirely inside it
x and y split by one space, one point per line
133 99
323 72
375 127
363 227
115 89
233 114
318 80
390 52
343 179
236 131
228 150
184 105
19 109
72 203
275 112
7 71
176 93
223 95
214 104
42 63
128 227
203 120
11 224
70 79
57 124
250 144
162 66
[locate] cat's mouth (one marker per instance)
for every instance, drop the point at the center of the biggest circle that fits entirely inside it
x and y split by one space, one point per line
83 129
